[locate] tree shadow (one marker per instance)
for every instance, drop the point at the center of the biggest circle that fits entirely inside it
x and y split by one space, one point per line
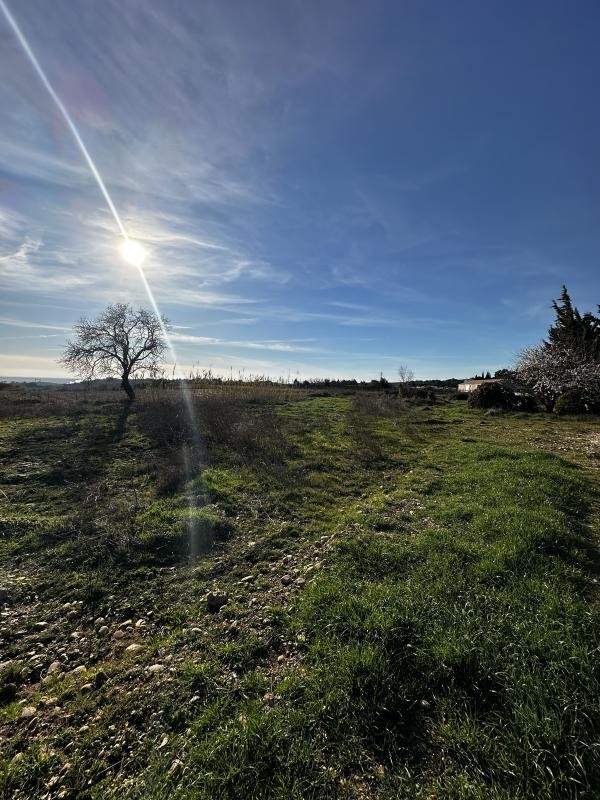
121 422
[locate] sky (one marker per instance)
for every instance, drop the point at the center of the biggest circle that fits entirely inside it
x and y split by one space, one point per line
324 189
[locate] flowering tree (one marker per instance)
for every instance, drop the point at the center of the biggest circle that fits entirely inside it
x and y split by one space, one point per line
551 370
569 361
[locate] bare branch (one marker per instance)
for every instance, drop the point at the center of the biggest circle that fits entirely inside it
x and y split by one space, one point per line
120 342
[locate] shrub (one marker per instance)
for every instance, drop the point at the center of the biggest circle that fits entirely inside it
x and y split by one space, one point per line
572 402
525 402
376 405
367 410
493 395
418 393
217 431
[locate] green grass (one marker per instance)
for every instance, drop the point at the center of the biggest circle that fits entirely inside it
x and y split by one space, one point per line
461 662
445 644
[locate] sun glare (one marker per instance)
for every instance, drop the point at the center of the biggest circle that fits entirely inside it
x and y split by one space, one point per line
133 252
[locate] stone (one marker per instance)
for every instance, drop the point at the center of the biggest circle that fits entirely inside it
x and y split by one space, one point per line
55 666
87 687
28 712
134 648
103 630
41 626
156 668
100 679
140 623
118 635
247 579
216 600
99 622
281 659
286 580
8 692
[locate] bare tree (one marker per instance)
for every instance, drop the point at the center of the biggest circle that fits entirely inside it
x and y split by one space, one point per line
405 374
120 341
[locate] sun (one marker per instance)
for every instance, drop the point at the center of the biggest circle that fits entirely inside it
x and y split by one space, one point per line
133 252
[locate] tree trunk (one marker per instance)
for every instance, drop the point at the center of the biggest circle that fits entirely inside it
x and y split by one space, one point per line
127 386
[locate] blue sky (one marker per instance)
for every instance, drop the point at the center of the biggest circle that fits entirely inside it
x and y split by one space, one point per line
325 189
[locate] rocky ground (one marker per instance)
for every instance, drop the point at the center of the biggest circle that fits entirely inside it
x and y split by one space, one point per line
68 664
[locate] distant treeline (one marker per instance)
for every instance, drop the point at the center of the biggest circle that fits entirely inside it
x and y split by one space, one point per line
449 383
113 384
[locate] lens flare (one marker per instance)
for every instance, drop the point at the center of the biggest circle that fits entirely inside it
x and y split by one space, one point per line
133 252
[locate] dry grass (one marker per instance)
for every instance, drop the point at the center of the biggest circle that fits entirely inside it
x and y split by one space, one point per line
19 401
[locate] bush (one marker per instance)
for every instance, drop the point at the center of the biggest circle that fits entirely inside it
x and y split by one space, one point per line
418 393
525 402
367 410
493 395
376 405
217 431
573 402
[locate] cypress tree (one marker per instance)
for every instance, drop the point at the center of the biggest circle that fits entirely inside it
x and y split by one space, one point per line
577 332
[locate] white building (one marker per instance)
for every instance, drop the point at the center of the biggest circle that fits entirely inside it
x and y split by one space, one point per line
471 384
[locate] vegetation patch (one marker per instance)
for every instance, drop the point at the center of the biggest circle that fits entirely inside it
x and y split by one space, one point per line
398 602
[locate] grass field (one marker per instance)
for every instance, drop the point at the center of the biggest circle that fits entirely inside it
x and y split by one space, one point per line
322 597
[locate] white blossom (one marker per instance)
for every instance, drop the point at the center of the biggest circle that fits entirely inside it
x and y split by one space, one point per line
552 370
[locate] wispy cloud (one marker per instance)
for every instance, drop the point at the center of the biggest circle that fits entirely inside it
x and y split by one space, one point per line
22 323
350 306
282 347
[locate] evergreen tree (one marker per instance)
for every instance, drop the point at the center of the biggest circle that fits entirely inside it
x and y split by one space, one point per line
569 361
577 332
